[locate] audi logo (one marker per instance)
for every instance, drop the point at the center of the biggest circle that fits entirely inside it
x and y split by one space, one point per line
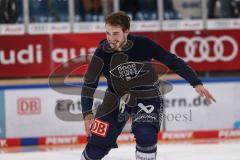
204 49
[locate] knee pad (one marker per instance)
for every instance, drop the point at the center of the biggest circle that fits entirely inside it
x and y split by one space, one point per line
93 152
146 135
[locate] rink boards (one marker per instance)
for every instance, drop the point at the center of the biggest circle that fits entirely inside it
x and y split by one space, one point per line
27 115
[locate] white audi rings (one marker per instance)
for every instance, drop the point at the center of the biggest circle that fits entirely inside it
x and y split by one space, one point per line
219 52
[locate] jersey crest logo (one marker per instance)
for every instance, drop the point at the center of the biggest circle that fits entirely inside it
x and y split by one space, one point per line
128 71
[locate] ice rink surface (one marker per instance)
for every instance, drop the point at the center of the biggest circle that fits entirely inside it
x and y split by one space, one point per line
178 151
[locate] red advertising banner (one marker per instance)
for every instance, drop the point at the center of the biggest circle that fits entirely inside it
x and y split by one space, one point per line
174 136
39 55
206 50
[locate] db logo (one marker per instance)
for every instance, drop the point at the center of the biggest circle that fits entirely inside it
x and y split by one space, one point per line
28 106
100 128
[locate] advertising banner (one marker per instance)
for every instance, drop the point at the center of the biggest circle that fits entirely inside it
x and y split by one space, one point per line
31 112
41 54
12 29
22 56
186 110
203 50
2 115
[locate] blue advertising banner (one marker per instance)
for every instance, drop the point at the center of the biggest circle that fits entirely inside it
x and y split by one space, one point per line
2 115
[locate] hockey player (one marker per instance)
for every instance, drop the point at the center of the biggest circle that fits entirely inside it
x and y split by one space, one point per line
122 56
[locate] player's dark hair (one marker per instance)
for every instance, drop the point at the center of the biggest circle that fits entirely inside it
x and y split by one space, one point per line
119 19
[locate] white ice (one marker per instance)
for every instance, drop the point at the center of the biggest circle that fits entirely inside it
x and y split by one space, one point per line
221 151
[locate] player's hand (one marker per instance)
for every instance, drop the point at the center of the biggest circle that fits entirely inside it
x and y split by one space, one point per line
88 122
203 92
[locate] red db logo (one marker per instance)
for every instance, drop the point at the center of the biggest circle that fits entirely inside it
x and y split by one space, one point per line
100 128
27 106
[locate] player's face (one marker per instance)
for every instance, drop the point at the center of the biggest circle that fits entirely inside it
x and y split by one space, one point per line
116 37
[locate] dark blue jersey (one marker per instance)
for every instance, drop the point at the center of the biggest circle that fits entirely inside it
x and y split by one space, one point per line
138 49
